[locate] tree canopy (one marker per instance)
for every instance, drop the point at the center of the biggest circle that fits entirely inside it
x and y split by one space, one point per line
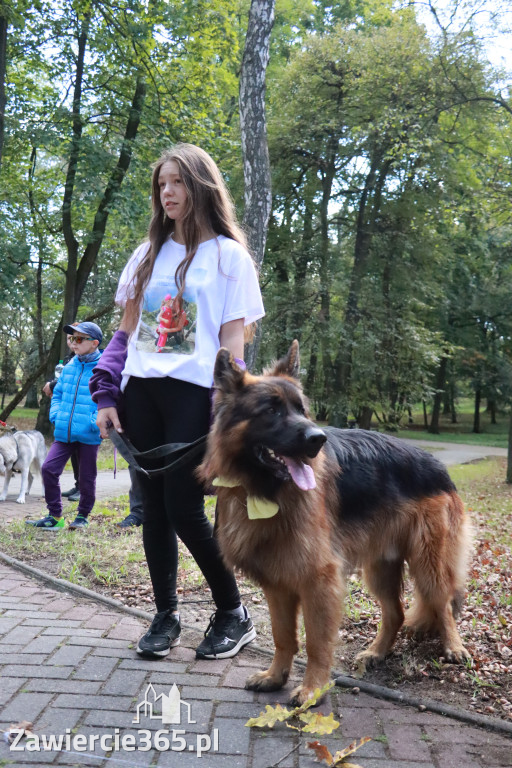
389 244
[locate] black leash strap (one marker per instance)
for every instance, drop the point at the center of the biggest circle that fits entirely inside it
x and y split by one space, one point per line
181 453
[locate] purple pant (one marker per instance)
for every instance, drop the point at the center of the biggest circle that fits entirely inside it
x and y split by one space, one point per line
53 467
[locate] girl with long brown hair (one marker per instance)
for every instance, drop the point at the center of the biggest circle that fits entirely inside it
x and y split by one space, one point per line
196 261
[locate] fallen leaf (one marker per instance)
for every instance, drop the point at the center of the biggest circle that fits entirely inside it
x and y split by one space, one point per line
14 730
270 717
321 751
353 747
318 723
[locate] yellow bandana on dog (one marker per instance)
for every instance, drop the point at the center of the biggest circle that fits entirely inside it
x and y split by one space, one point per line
257 509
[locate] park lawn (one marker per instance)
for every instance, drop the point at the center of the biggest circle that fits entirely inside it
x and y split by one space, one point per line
495 435
488 498
99 556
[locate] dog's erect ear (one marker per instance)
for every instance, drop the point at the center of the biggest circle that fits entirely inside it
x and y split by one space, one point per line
290 364
227 376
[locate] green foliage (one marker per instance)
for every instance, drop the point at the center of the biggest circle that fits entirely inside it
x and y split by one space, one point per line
383 254
389 246
76 168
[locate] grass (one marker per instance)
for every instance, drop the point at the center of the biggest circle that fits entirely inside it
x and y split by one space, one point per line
106 458
495 435
487 496
92 557
19 415
98 556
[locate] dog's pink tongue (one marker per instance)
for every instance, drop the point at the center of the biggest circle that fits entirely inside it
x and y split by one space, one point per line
302 474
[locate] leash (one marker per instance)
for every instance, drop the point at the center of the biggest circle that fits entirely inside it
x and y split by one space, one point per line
180 453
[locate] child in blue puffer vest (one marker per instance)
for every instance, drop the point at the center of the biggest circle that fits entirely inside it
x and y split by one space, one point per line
73 413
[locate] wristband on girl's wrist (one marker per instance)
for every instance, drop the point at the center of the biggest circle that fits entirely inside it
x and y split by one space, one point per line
240 364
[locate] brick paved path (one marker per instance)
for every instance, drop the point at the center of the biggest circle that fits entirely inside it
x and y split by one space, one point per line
68 663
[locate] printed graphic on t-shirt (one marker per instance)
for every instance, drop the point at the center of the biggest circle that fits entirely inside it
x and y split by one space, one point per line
167 324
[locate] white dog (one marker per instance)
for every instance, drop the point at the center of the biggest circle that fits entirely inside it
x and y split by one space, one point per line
22 452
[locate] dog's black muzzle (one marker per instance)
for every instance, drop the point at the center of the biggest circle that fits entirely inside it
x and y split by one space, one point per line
314 439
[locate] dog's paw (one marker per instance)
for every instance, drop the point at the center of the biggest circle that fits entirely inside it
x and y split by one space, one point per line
263 681
3 498
301 694
457 655
20 500
366 660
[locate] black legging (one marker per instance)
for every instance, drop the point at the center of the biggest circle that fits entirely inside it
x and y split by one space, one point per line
159 411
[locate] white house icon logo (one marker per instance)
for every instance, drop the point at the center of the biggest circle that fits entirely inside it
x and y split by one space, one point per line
171 706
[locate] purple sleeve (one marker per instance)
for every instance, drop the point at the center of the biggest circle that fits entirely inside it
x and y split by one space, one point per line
105 382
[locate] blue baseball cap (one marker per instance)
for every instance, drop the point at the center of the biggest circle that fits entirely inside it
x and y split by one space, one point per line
87 329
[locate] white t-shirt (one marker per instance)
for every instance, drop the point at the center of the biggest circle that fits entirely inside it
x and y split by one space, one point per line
182 342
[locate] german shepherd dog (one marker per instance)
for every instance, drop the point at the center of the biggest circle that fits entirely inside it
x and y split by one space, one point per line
323 503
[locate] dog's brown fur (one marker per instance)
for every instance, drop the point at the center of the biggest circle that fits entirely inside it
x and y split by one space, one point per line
302 556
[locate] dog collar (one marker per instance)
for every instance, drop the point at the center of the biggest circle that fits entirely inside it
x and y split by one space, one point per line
257 508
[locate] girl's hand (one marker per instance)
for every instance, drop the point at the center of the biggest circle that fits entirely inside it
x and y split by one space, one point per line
108 417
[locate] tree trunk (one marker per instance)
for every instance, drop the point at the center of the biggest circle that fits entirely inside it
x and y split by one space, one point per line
68 313
31 399
38 319
330 395
3 67
309 386
509 454
365 417
43 417
453 409
476 415
301 273
438 397
90 256
76 277
253 127
368 211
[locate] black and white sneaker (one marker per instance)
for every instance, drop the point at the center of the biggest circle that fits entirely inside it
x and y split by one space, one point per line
225 635
163 634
